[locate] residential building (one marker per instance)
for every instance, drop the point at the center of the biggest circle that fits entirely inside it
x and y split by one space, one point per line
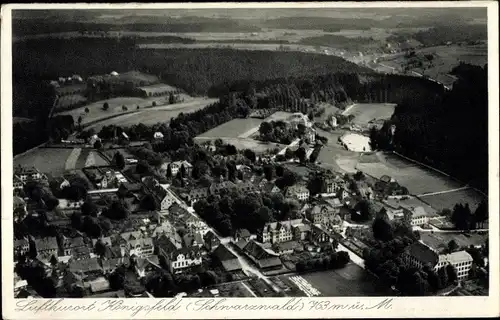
110 265
301 231
364 190
226 259
21 246
17 183
193 240
298 191
46 248
165 197
263 258
285 247
176 166
461 260
193 224
178 258
197 194
333 184
217 188
242 234
270 188
322 214
247 187
419 255
69 245
211 241
319 236
276 232
145 266
87 267
127 189
142 247
28 173
164 228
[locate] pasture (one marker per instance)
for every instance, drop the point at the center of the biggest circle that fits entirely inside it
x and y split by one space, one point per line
365 112
356 142
439 240
418 179
244 143
450 199
154 115
57 161
97 113
233 129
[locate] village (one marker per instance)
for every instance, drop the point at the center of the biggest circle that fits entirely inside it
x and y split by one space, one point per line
254 225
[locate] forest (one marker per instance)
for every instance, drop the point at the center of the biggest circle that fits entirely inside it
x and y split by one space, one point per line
449 132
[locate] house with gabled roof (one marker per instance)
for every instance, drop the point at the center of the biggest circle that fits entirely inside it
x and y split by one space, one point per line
21 246
226 259
211 240
147 265
164 196
69 245
142 247
178 257
217 188
46 248
263 258
298 191
87 267
276 232
197 194
271 188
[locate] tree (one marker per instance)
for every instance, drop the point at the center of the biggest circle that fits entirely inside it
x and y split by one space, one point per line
481 213
80 120
169 171
117 278
87 110
382 229
124 108
100 248
265 129
301 154
363 211
171 98
249 154
359 176
443 278
51 203
452 246
119 160
154 104
452 273
269 172
105 106
98 144
88 208
148 203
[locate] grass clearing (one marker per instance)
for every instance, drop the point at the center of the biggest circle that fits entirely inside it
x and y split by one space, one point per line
366 112
450 199
417 179
440 240
244 143
232 129
155 115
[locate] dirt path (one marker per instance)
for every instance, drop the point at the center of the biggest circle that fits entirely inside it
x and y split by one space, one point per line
72 159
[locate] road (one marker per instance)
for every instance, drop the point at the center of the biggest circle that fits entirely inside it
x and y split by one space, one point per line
354 257
443 192
247 267
436 230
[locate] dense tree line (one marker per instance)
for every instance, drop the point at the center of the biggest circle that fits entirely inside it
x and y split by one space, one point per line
424 126
236 210
336 260
440 35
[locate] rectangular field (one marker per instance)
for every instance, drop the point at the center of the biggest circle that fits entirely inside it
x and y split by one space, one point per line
58 160
233 129
439 240
244 143
418 179
155 115
450 199
365 112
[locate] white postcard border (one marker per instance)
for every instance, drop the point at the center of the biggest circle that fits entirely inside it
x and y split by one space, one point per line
191 308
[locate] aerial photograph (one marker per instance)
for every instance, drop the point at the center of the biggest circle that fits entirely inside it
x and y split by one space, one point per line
310 152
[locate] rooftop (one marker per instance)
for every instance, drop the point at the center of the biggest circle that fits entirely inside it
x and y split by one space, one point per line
423 254
455 257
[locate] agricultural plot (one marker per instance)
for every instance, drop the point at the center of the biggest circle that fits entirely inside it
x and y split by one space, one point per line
97 113
419 180
57 161
154 115
366 112
244 143
450 199
46 160
233 129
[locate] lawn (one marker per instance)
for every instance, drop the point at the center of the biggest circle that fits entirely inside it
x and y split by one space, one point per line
46 160
450 199
155 115
244 143
365 112
233 129
419 180
348 281
56 161
115 108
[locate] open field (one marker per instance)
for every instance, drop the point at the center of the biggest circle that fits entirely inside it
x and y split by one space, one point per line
450 199
155 115
233 129
365 112
115 108
348 281
58 160
356 142
244 143
418 179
